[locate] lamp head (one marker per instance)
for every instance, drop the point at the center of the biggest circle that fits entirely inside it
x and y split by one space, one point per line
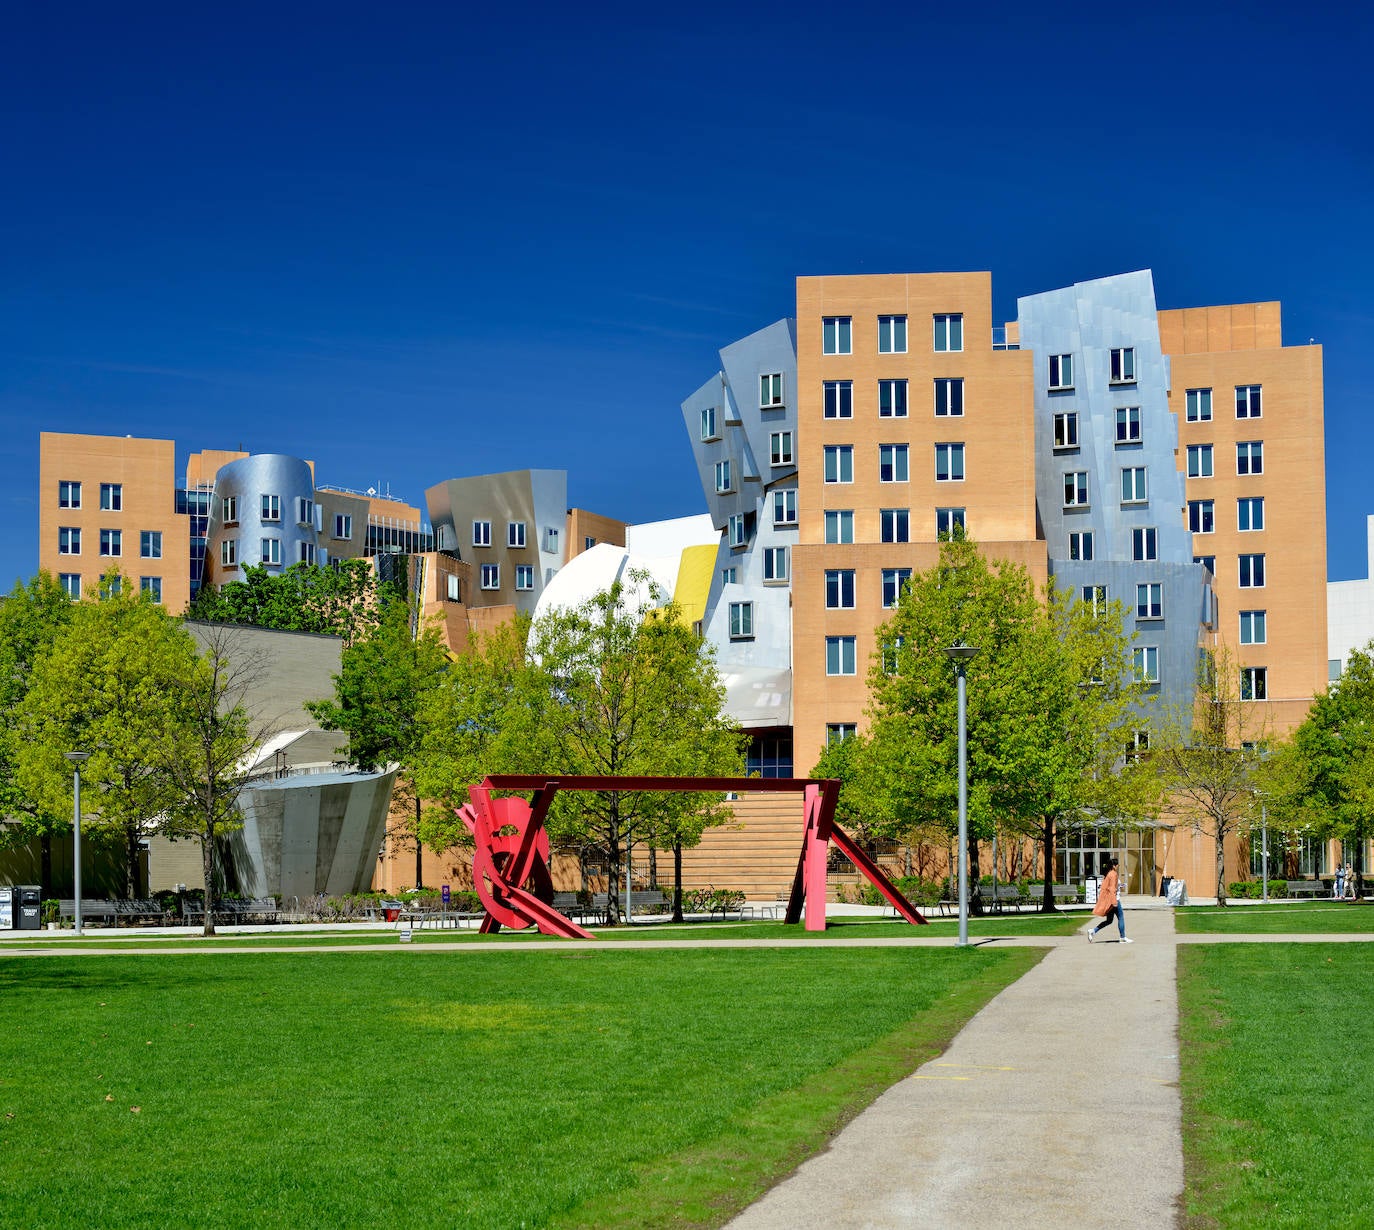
960 654
78 758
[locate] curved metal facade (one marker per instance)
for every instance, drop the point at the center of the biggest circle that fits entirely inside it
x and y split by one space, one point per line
263 512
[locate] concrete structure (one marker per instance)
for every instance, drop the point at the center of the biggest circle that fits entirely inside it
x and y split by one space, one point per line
1350 613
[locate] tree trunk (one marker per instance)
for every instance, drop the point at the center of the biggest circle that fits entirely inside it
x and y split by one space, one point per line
1221 864
419 848
207 860
677 881
975 897
131 856
653 865
613 871
1047 905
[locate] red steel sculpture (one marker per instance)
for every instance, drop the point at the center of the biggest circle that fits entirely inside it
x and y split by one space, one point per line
510 866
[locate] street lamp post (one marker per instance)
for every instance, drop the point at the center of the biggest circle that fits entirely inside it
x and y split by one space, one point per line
1264 846
77 759
960 654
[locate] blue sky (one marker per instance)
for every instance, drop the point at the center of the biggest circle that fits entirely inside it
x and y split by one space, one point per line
416 242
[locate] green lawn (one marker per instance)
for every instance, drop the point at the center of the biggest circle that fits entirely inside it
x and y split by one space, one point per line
621 1087
1305 918
1278 1090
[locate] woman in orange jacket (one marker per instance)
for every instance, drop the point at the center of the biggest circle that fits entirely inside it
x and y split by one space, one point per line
1109 903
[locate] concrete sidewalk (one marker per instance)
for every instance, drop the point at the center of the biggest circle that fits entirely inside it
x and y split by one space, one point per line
1058 1104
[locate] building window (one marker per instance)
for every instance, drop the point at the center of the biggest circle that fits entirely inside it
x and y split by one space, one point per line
892 399
271 508
947 520
741 621
1081 545
1123 365
775 564
515 534
780 446
837 335
69 540
770 391
708 424
454 588
839 463
150 544
229 552
1133 486
1207 561
271 550
949 397
112 542
481 533
230 509
343 525
949 463
1147 664
785 507
1144 543
839 589
71 583
524 576
893 580
895 525
1201 516
1061 371
1199 405
893 464
550 540
1137 744
1075 488
892 335
839 399
728 576
839 526
588 543
1252 572
1250 513
1252 628
949 332
1250 457
1254 683
111 497
738 529
1095 597
491 576
1149 601
1128 424
1247 401
723 483
305 552
68 494
838 732
1066 429
840 655
305 511
1199 461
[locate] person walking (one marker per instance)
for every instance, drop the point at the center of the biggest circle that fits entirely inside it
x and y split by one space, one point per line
1338 888
1109 903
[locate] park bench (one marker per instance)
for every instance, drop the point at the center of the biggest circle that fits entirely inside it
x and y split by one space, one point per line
91 909
1307 888
1004 895
140 910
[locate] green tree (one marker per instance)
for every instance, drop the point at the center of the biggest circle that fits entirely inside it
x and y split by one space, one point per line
1331 756
1049 694
384 681
614 686
1207 758
343 599
109 684
31 615
206 751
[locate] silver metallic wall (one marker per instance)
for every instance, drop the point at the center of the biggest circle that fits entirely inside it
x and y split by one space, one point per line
247 481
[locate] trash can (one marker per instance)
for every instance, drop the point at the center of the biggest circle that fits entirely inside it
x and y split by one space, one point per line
6 909
28 907
391 910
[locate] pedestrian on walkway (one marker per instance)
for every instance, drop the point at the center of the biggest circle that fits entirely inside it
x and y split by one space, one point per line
1338 889
1109 903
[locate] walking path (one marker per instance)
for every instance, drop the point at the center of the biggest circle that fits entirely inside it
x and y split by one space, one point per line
1057 1105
